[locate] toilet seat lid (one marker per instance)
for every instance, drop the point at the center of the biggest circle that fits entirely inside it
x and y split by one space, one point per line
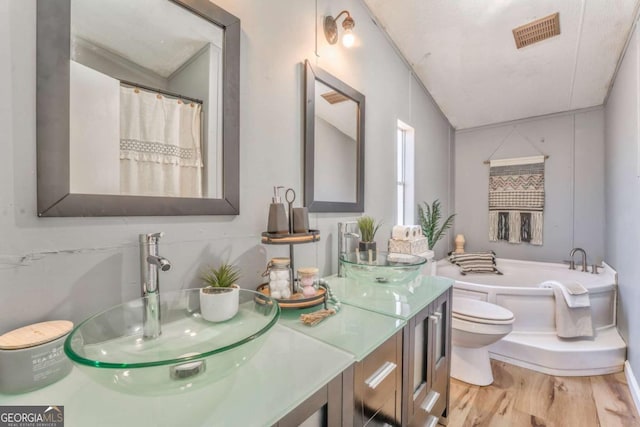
467 308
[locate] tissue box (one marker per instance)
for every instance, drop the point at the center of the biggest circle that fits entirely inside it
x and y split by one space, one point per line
412 247
406 232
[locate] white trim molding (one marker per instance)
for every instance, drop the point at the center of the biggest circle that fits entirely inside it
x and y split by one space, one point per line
633 384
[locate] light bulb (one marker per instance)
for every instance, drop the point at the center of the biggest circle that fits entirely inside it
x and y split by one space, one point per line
348 38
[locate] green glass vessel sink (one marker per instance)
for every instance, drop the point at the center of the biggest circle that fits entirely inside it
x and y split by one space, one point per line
190 351
382 267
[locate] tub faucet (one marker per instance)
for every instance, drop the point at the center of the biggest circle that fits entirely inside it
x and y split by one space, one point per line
343 235
572 263
150 265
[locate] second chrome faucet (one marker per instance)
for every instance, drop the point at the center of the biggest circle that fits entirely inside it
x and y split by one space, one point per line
343 235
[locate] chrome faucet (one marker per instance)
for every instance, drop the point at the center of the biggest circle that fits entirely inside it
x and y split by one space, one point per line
150 265
572 263
343 235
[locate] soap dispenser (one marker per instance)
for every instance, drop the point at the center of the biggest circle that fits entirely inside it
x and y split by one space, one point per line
277 222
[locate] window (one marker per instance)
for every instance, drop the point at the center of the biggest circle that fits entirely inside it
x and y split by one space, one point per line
405 208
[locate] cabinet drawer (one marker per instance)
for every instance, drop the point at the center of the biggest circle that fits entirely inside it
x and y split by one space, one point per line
377 381
387 352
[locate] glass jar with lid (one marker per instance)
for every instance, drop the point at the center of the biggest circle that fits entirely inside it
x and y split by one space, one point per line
280 278
308 280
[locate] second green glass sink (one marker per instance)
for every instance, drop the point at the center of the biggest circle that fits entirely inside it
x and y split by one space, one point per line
190 351
382 267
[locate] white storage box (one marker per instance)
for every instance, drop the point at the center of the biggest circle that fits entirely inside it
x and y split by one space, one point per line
33 356
411 247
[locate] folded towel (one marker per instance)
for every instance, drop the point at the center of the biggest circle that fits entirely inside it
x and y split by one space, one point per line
477 267
571 322
475 262
575 288
574 293
472 256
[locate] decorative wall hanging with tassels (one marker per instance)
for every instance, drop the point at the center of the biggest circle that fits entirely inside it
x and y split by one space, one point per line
516 199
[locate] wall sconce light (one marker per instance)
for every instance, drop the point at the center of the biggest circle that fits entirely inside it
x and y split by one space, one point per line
331 29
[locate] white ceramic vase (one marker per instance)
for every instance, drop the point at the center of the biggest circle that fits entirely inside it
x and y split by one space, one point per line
219 304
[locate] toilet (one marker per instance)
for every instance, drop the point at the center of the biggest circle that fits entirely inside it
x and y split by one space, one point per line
476 325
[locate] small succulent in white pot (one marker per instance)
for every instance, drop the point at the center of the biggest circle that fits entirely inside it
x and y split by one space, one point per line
220 297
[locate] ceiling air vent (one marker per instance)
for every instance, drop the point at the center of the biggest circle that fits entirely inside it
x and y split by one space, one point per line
536 31
334 97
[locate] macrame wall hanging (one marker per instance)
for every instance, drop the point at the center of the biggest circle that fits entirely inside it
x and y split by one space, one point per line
516 199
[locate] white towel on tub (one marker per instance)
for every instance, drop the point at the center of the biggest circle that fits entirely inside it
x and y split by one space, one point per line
574 293
573 309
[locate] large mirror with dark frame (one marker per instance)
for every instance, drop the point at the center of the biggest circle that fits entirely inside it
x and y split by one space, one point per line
137 108
333 144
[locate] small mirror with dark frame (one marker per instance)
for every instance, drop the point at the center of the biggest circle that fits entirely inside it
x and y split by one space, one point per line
137 108
333 144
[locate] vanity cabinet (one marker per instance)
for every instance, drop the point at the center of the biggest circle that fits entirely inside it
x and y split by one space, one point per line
372 387
405 381
400 338
427 356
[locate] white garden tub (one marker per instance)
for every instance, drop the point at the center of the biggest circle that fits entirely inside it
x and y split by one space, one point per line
533 342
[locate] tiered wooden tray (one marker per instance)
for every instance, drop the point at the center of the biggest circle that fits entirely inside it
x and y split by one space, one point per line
297 300
290 238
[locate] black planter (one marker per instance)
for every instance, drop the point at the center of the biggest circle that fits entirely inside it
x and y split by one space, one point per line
364 248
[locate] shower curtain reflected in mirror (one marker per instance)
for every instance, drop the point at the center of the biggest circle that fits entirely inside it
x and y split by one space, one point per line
160 145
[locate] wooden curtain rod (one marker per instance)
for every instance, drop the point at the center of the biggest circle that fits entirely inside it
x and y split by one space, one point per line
486 162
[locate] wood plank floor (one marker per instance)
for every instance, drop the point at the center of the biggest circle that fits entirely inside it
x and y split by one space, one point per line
521 397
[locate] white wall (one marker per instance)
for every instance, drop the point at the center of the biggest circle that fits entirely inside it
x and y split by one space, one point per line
335 155
94 131
623 196
574 183
68 268
433 160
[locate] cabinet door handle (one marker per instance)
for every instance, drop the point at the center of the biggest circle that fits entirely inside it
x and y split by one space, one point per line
431 421
433 323
378 376
430 401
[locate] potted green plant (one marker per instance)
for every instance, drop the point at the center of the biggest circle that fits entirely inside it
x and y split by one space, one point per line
430 217
220 297
368 228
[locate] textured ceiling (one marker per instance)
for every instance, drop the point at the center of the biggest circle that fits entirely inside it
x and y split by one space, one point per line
465 54
155 34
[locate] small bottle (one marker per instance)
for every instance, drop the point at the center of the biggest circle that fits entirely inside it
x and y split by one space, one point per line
280 278
308 280
459 241
277 221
